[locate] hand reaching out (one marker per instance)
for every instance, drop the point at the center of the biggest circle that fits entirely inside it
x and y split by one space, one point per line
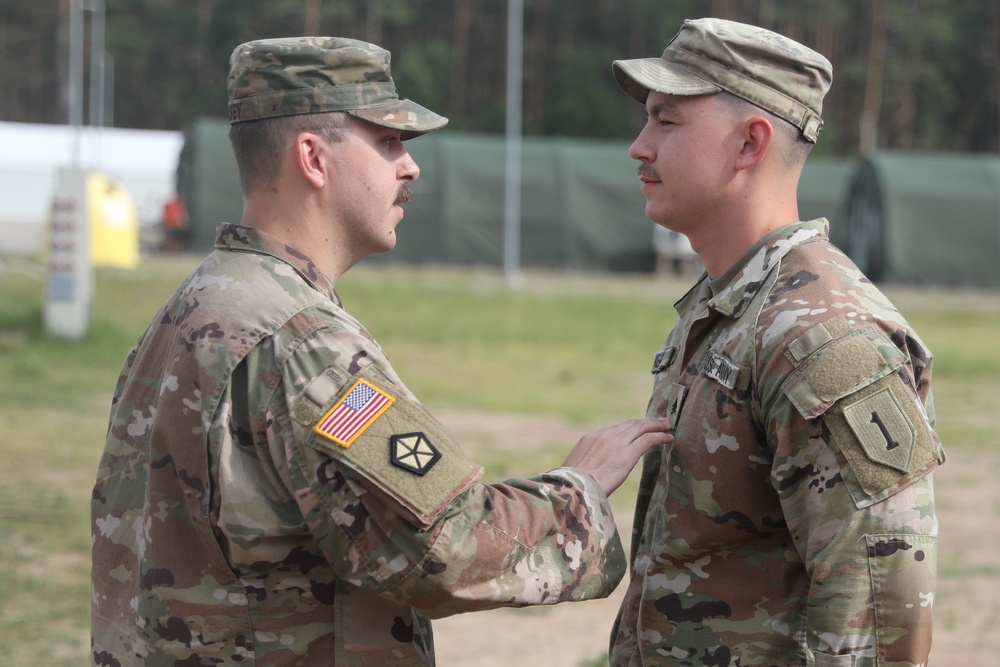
611 453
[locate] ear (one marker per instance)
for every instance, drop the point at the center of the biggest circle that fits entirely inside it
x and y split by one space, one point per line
310 159
758 134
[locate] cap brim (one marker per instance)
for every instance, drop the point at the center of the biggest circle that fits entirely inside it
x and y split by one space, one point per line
638 77
408 117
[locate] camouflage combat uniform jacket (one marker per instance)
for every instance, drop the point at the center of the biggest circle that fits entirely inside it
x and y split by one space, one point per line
271 494
792 522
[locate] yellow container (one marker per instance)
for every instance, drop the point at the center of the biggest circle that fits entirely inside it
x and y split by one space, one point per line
113 223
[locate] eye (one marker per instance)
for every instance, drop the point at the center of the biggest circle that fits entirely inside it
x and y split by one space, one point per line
656 120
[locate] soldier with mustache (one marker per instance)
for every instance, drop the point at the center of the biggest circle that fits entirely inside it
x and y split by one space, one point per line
270 492
792 522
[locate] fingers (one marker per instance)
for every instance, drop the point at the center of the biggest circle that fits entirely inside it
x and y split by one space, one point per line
648 441
630 429
640 434
641 427
610 454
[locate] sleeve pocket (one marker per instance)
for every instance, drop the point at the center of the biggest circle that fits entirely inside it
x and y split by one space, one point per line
827 660
904 577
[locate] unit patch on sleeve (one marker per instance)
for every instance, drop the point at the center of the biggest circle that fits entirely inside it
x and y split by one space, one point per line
883 429
352 414
384 440
413 452
884 438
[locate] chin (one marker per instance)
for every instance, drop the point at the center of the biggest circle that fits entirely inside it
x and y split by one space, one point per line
661 218
387 244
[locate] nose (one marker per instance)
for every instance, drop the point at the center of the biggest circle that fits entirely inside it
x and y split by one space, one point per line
408 169
640 148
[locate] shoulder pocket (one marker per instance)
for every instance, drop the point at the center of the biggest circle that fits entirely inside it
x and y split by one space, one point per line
383 436
839 367
877 426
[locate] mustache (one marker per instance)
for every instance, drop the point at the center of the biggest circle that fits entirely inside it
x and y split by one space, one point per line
404 195
646 171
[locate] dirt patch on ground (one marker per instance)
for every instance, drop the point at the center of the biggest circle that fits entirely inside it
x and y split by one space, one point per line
967 605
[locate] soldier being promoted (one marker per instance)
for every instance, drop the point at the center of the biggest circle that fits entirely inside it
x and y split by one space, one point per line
792 523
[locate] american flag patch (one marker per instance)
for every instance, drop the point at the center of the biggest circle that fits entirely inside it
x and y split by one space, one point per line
352 414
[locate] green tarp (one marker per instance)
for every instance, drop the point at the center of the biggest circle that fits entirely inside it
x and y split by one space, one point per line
581 207
208 183
906 217
926 219
823 192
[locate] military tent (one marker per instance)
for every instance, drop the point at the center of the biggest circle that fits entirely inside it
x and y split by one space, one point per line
581 207
926 218
208 184
823 191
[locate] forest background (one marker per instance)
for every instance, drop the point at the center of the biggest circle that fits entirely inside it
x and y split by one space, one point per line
908 74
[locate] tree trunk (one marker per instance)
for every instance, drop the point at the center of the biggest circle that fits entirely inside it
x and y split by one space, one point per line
460 57
311 14
868 138
62 61
722 9
373 21
995 20
536 79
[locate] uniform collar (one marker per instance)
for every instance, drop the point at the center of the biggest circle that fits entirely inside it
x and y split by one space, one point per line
238 238
734 290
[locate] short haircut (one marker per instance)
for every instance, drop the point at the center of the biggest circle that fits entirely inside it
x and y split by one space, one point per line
259 145
794 148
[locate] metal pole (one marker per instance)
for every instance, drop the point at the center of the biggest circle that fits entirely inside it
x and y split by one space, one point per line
108 73
97 55
75 78
512 183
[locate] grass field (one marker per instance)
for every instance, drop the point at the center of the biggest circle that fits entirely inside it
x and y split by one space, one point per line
568 347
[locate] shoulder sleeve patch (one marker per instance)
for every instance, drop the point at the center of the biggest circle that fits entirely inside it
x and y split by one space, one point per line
883 440
386 438
353 412
880 424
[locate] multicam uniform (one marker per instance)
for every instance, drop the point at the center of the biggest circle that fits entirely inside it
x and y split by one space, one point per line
271 493
792 522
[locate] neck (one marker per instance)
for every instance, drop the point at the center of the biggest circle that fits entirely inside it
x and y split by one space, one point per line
721 241
296 222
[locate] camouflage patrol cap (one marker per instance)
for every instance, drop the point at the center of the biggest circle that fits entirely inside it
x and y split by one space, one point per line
711 55
301 75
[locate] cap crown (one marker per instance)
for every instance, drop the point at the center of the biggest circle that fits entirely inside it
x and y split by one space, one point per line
775 73
302 75
281 77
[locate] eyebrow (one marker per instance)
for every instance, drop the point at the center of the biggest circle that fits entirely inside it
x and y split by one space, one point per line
660 107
